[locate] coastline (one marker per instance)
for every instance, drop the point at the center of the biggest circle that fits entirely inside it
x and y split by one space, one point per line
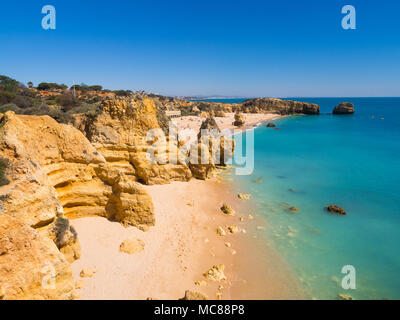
184 244
225 124
176 248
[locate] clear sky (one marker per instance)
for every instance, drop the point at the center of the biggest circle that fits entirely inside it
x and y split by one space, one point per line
232 48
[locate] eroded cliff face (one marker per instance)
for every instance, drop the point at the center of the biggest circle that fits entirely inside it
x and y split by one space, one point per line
283 107
52 172
122 132
31 267
55 171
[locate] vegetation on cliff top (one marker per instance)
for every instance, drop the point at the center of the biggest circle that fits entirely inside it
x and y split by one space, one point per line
3 166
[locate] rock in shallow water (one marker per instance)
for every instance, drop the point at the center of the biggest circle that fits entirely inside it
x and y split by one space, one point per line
333 208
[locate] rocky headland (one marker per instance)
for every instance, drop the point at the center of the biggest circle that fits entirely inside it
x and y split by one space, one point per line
344 108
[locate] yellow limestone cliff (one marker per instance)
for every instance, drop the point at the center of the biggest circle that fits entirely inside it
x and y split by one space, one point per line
52 172
123 132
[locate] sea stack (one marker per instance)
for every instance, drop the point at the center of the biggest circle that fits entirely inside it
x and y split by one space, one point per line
344 108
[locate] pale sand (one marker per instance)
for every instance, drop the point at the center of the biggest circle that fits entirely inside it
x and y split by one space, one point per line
176 254
225 123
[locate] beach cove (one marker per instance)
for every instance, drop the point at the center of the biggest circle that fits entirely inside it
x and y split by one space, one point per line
184 244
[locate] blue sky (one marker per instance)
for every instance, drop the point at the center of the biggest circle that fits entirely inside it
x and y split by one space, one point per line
231 48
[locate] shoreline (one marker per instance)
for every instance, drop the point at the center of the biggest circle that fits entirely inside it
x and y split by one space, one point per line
252 120
180 248
184 244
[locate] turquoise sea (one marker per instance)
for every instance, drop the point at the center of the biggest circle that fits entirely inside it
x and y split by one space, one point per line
350 160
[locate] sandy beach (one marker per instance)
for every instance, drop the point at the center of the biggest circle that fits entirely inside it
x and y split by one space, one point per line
181 247
184 244
226 123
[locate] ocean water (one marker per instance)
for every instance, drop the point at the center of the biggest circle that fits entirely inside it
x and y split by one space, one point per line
349 160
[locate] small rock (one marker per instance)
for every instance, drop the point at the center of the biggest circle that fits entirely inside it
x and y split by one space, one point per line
220 287
271 125
345 297
190 203
132 246
233 228
192 295
79 284
333 208
206 240
221 232
88 273
293 209
228 244
218 295
260 228
216 273
250 217
233 252
227 209
243 196
241 219
201 283
76 295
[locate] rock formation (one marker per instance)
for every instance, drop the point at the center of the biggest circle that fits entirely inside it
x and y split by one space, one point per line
125 131
52 172
283 107
344 108
239 120
65 237
132 246
212 149
227 209
55 172
31 267
216 273
333 208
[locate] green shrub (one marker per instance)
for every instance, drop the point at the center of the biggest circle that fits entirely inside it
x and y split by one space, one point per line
10 107
6 97
8 84
67 101
51 86
123 93
3 166
22 102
